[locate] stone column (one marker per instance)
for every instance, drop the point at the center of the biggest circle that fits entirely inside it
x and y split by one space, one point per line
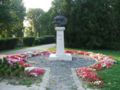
60 40
60 53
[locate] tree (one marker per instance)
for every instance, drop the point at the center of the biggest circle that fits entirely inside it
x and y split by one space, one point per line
47 23
18 14
5 17
35 16
91 23
12 14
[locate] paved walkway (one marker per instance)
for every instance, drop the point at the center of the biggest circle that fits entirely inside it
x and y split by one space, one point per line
61 75
42 47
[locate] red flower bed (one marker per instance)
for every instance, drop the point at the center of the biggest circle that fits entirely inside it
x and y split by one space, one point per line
90 73
21 59
87 73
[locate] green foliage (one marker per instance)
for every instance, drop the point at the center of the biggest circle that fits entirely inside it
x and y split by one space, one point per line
47 24
111 78
7 69
12 14
45 40
34 16
112 45
9 43
5 17
91 23
28 41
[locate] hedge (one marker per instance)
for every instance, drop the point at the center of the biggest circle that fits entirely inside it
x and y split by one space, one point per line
28 41
112 45
10 43
89 45
44 40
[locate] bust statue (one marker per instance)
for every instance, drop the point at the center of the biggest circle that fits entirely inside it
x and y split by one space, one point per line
60 21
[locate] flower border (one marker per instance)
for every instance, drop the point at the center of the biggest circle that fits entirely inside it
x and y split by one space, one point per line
89 73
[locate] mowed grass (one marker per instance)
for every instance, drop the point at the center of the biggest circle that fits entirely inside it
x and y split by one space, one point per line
111 77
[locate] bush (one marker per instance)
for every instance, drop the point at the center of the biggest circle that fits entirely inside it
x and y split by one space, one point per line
6 44
7 69
112 45
11 43
44 40
28 41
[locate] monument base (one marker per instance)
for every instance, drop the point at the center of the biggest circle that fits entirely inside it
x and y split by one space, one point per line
64 57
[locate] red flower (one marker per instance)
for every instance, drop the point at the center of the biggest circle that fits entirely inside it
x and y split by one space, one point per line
37 71
87 74
97 66
83 53
34 71
69 51
22 63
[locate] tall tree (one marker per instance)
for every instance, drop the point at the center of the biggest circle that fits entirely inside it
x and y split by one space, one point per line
5 16
12 14
92 23
35 16
18 14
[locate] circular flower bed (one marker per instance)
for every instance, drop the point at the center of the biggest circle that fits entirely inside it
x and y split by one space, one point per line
89 74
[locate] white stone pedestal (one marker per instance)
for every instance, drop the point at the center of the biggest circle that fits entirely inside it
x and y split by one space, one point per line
60 54
65 57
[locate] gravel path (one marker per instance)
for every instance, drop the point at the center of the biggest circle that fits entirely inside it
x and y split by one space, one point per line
41 47
60 75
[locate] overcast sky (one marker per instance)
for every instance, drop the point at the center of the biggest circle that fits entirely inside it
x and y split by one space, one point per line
43 4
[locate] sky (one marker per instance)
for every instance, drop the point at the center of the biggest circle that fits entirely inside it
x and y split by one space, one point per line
43 4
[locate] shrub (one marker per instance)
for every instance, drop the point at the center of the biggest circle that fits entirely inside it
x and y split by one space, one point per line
112 45
20 42
7 69
8 43
28 41
45 40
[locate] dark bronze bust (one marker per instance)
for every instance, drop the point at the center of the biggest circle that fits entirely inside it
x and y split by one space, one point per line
60 21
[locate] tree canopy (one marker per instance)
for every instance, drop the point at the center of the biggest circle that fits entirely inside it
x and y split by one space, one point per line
91 23
35 16
12 14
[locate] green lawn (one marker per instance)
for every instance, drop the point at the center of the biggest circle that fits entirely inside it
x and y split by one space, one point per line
111 77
